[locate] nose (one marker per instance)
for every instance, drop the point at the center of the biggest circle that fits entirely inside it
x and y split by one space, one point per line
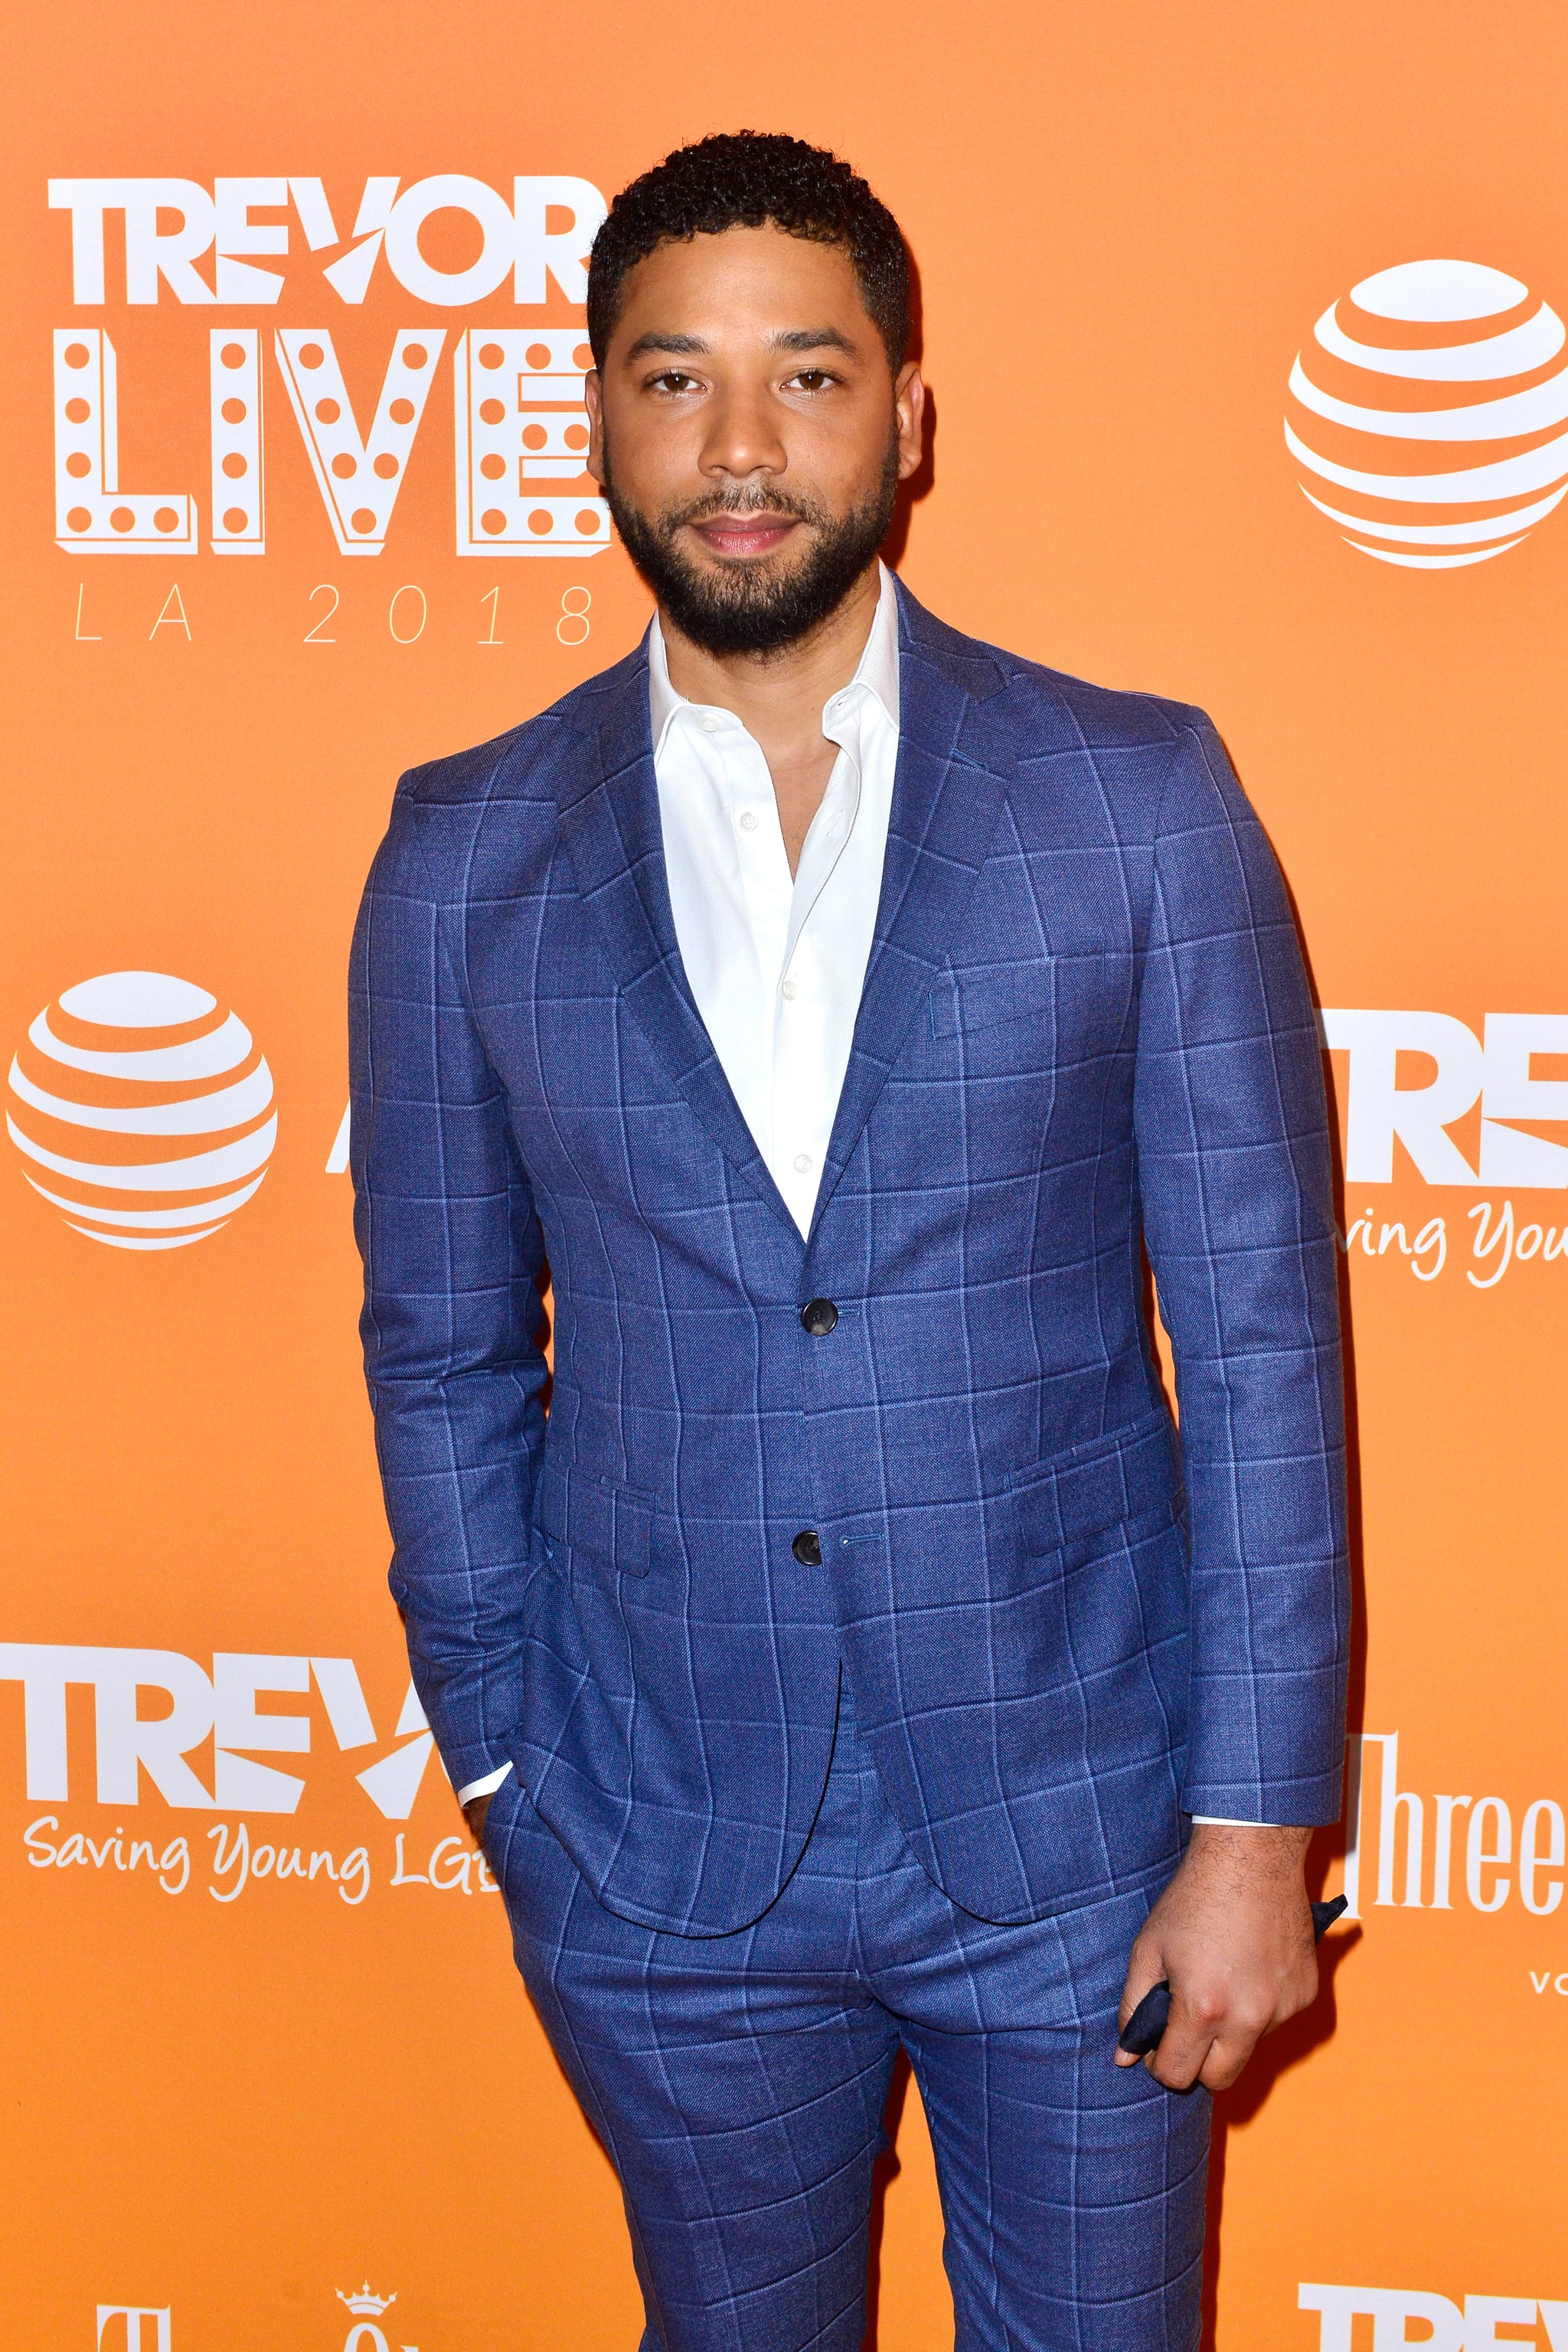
742 439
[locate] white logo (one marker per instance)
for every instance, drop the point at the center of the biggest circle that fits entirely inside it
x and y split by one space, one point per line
515 239
146 1105
1423 384
223 1705
367 2308
133 2339
1448 2328
1493 1069
1470 1842
520 423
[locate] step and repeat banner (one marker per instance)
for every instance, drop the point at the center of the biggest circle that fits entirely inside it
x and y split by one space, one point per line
1245 334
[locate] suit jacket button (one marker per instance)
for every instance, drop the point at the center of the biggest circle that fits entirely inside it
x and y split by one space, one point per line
807 1547
820 1316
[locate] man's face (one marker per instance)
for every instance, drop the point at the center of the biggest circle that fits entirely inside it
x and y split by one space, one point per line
749 435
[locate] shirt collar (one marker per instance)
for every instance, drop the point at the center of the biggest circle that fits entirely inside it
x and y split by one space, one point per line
876 673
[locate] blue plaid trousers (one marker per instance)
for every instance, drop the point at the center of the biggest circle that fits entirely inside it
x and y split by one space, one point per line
739 2082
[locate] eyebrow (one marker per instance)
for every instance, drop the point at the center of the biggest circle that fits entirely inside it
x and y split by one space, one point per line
678 346
795 339
814 339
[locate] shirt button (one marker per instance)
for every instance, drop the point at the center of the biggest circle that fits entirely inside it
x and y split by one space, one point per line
820 1316
790 991
802 1162
708 725
807 1547
748 820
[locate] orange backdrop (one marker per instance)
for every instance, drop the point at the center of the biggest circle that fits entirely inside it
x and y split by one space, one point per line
235 2091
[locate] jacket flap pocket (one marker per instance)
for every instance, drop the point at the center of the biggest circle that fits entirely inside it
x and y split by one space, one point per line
985 996
550 1502
1097 1486
612 1524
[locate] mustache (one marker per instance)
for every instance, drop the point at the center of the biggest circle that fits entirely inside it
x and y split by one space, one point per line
711 504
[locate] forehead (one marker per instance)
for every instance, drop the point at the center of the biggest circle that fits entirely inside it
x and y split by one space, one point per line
741 284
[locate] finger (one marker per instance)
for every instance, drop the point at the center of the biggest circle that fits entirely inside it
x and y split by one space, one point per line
1178 2069
1228 2054
1184 2046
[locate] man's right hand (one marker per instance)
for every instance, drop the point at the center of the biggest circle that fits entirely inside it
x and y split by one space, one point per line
1232 1936
474 1813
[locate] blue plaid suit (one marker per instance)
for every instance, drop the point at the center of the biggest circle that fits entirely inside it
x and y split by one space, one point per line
1084 1029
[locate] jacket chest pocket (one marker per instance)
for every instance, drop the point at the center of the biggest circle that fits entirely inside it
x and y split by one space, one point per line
1088 1490
1058 1007
981 999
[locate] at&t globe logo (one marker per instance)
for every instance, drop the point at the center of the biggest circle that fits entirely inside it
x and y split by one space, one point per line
1428 414
144 1111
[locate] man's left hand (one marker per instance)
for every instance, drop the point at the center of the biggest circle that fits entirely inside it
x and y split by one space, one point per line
1232 1935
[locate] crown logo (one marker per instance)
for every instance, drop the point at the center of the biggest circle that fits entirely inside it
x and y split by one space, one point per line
363 2304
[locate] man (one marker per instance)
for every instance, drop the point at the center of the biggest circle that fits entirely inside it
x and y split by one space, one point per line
854 1660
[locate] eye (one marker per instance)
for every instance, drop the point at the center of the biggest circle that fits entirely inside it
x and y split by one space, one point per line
812 379
672 380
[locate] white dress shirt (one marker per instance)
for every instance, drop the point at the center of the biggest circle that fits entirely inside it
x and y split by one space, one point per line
776 961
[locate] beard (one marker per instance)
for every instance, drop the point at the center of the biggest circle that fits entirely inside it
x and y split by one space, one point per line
743 608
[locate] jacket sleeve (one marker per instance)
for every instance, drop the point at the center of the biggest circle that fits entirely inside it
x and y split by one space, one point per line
1234 1176
452 1318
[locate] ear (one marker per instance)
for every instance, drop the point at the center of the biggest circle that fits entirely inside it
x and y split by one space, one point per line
908 412
592 401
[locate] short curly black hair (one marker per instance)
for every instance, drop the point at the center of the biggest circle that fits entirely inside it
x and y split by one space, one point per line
750 179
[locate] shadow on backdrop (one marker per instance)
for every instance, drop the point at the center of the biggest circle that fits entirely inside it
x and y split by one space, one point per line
884 2173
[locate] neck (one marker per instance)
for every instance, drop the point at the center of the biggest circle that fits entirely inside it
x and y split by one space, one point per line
779 695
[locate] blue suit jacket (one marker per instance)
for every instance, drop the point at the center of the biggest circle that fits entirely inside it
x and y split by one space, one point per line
1085 1028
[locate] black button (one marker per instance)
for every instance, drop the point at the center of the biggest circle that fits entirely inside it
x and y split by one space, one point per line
820 1316
807 1547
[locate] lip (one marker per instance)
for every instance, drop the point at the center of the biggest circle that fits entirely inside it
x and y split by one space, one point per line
735 535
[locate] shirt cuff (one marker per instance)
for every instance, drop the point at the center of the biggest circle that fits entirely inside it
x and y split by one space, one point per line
1209 1820
485 1788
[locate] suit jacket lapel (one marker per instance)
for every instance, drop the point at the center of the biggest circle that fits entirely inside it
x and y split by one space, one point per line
952 778
607 798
